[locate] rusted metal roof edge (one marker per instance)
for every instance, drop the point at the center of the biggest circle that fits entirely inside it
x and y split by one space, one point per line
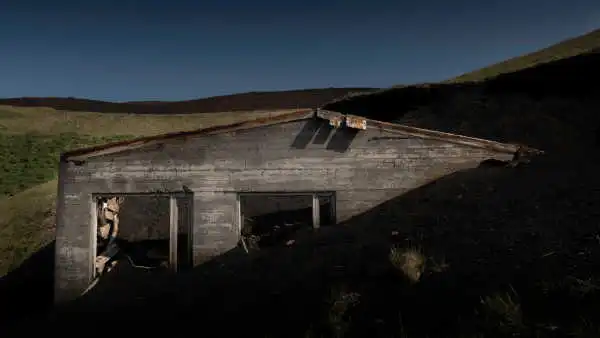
113 147
82 154
510 148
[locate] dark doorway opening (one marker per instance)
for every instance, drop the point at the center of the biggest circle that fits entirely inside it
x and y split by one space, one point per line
275 219
140 235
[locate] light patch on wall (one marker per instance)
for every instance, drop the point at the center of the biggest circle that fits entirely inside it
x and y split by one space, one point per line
356 122
335 122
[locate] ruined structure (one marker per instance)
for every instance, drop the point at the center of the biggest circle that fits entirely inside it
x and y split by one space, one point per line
356 163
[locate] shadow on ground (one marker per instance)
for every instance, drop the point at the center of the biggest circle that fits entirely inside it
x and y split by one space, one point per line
28 289
498 251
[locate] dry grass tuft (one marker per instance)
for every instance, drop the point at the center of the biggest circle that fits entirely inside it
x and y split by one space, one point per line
410 261
503 310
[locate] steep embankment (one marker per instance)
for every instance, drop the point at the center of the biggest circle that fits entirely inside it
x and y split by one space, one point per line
550 106
566 49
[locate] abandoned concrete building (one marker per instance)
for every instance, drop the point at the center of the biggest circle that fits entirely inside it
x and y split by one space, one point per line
341 165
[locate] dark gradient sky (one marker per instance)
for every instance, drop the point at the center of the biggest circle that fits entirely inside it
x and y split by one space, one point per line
145 50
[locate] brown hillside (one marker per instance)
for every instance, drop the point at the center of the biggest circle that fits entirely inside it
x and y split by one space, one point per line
306 98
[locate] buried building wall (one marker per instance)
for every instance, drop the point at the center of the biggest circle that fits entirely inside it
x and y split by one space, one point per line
363 167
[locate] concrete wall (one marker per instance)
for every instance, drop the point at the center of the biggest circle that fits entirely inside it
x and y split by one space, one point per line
365 168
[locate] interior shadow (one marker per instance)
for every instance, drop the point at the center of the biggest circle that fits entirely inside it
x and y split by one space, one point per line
28 289
276 228
277 220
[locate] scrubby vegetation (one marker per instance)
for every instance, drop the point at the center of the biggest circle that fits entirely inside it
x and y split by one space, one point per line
31 159
29 168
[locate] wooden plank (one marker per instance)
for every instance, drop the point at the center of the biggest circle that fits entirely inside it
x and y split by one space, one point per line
173 226
316 213
333 208
239 219
185 230
93 238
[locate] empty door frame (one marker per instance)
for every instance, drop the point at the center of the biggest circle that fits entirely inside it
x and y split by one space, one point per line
173 226
316 205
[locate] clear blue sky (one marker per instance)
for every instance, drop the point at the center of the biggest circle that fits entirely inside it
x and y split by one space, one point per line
123 50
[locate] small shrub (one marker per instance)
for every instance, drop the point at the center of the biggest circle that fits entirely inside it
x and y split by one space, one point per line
503 311
409 261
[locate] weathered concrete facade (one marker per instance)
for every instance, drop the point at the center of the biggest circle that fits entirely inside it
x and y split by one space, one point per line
363 167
